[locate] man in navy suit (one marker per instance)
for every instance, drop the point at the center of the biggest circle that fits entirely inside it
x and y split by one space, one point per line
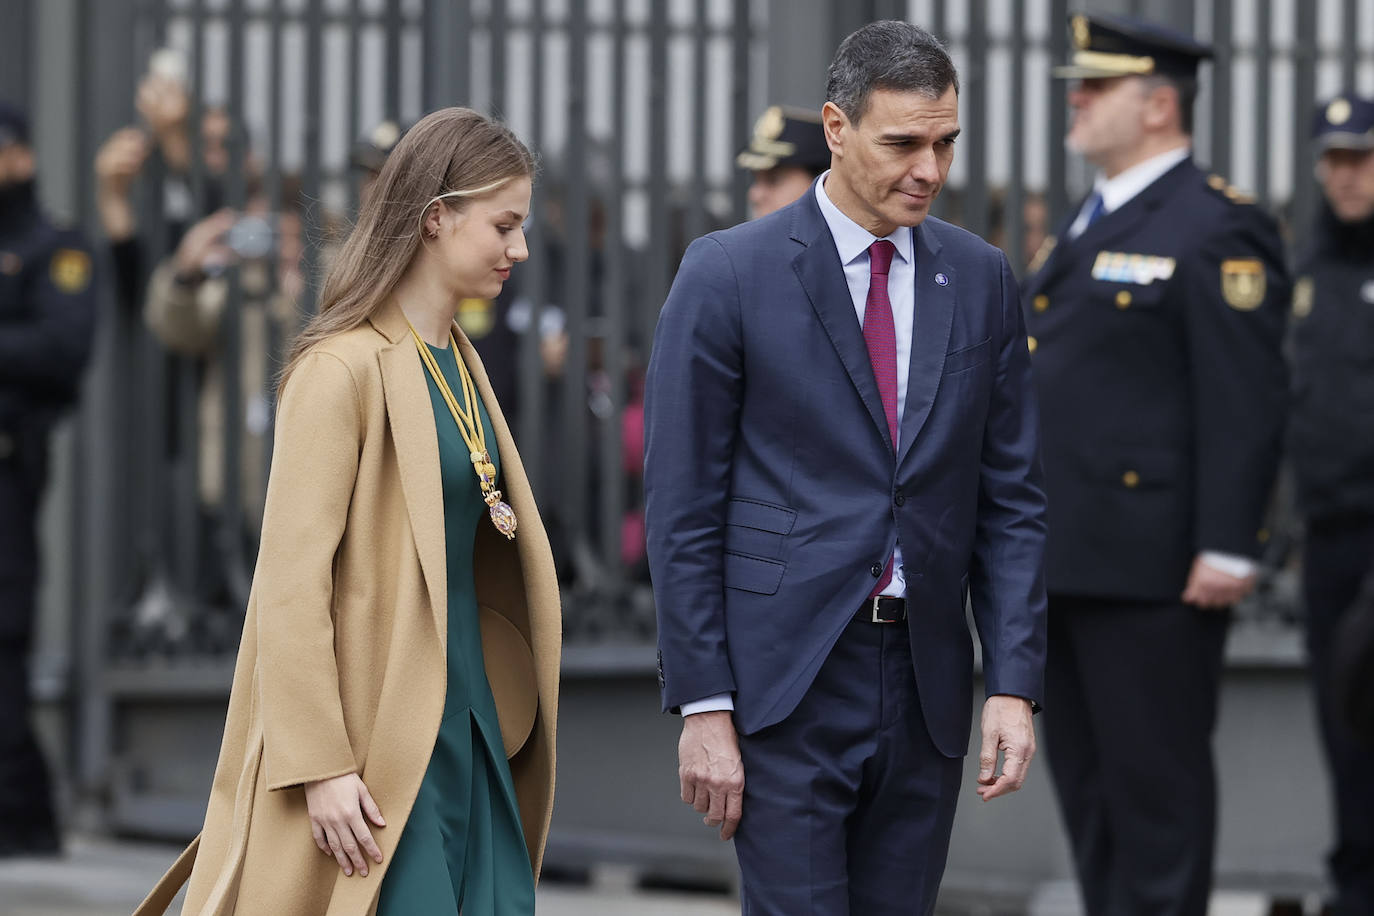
841 447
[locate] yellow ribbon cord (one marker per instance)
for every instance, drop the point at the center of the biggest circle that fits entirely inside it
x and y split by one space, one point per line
469 423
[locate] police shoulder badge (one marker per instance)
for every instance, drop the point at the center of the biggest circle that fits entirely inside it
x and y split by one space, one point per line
70 269
1243 283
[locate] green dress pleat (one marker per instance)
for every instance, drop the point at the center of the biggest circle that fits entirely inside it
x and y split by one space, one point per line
462 849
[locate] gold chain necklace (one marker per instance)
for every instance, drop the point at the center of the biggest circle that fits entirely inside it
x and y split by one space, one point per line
469 422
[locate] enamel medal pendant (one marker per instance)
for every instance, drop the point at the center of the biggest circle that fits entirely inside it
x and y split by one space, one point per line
502 515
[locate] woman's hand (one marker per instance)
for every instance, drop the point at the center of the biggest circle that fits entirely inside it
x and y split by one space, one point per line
336 809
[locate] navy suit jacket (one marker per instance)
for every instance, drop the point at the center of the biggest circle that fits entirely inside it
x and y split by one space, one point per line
773 494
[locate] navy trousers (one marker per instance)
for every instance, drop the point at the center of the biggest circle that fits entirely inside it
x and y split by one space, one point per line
848 805
1131 693
1337 557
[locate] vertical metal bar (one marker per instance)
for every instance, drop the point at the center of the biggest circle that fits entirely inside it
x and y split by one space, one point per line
392 26
742 36
1264 71
496 29
1304 98
196 113
230 342
355 96
1014 214
1222 63
976 92
1058 201
612 293
658 165
462 32
531 379
276 334
314 63
437 39
938 20
577 277
696 203
1349 49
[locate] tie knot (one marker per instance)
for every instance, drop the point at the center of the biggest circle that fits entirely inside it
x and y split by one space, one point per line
880 257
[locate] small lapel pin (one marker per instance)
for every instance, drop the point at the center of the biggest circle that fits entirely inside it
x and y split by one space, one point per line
941 280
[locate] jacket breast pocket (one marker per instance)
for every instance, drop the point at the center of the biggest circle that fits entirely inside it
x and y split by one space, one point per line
757 528
753 574
968 357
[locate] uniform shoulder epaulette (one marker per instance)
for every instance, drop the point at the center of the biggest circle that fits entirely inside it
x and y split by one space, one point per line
1225 189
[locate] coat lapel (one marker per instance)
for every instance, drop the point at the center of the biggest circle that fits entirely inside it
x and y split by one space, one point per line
821 274
411 418
929 333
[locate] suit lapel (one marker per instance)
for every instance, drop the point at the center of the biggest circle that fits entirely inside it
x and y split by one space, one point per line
411 417
930 330
822 277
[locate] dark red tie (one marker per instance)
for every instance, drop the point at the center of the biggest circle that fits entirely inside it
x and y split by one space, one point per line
881 336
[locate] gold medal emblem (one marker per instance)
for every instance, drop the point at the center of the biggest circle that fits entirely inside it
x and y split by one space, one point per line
1243 283
1302 297
1338 112
70 269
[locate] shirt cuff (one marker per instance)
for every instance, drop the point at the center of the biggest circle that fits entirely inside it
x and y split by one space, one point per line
1234 565
710 704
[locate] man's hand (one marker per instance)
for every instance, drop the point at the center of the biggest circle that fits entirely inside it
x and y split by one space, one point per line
1006 728
710 769
336 809
1213 589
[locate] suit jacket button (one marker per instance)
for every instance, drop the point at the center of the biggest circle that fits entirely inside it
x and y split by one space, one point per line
1032 344
898 498
1041 303
1131 479
1123 299
875 570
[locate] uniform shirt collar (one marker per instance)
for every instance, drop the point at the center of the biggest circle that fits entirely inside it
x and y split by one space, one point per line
1117 192
851 239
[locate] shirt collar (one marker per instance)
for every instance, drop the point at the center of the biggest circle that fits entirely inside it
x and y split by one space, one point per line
851 239
1117 192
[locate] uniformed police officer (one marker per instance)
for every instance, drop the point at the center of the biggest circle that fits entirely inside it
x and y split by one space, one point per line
46 319
786 153
1156 324
1331 446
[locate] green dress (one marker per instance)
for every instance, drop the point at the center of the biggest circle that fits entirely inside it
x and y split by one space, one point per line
463 849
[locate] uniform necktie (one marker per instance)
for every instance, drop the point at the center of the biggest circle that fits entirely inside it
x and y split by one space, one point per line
881 336
1095 207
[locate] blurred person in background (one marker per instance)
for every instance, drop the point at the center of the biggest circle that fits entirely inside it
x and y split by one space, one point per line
396 690
1331 449
186 309
785 154
163 105
1156 326
47 322
369 155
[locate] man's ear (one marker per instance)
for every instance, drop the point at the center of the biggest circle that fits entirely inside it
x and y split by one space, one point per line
834 121
1163 106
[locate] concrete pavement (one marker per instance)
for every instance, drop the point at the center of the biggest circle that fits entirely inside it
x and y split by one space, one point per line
103 877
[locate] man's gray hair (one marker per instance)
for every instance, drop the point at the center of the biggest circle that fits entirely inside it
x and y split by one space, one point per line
890 55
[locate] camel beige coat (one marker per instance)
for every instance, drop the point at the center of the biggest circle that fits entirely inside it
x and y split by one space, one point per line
342 664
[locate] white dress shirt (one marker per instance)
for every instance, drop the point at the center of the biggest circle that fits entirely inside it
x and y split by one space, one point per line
852 242
1116 193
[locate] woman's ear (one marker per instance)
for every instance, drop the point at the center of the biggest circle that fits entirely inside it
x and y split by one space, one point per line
433 220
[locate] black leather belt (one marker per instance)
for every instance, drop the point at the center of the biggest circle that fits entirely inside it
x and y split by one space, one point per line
882 609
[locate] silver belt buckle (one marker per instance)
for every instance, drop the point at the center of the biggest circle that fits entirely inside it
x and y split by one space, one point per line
874 616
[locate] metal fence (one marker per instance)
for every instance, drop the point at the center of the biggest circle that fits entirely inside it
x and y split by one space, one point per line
635 108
